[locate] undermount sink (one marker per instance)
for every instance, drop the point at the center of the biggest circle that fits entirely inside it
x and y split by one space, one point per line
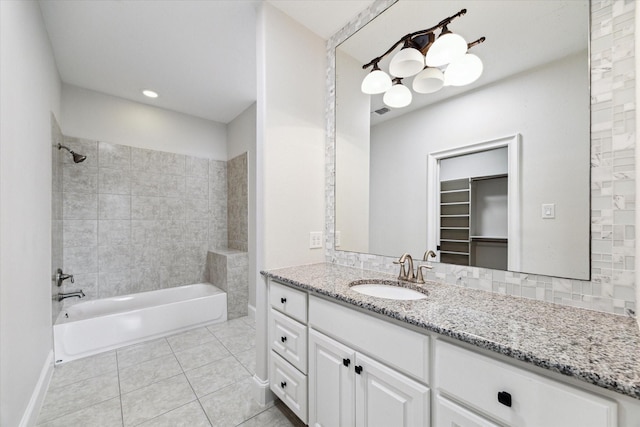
386 289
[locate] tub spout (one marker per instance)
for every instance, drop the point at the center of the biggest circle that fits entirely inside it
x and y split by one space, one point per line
78 294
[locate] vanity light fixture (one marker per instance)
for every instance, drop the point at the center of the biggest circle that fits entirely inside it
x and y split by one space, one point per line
149 93
435 63
398 96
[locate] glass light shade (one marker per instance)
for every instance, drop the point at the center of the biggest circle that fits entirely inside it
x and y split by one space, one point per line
463 71
447 48
398 96
428 80
375 82
406 63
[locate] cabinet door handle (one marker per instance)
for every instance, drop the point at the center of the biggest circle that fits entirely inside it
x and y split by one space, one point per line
283 384
358 369
283 339
283 300
504 398
346 362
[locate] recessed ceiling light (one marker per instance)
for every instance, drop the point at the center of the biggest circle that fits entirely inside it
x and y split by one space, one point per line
149 93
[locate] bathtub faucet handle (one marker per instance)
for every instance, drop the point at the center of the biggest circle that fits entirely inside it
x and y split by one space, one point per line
61 277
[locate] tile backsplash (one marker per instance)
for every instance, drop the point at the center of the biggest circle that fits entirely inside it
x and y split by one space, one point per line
612 285
136 220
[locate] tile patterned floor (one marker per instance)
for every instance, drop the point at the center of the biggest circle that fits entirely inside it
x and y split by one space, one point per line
201 377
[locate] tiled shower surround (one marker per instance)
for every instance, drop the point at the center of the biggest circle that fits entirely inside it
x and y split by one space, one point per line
237 203
613 176
56 210
136 220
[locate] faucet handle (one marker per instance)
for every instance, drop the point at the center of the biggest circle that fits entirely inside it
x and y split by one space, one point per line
403 271
420 276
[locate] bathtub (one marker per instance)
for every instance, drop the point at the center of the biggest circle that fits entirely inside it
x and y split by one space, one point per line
95 326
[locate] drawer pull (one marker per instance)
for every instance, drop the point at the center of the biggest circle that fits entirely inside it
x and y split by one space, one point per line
283 300
358 369
283 339
283 384
504 398
346 362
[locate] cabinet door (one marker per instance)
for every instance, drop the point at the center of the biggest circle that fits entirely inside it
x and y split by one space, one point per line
386 398
331 382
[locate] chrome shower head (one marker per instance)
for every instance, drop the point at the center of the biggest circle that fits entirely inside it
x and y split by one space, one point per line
77 158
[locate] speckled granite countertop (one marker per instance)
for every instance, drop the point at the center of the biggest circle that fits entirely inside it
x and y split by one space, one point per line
599 348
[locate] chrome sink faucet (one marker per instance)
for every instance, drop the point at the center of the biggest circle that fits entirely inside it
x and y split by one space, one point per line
78 294
428 254
406 273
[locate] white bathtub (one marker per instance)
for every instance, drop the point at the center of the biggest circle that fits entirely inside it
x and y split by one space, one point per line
95 326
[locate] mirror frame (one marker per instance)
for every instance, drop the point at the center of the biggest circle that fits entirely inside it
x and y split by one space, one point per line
612 260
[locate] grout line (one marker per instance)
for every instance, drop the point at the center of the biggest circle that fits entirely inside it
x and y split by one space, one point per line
119 391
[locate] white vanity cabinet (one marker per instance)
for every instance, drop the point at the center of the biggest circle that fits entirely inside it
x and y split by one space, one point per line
509 394
288 347
336 366
347 387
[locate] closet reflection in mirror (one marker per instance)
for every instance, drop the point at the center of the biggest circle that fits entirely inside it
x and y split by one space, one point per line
535 83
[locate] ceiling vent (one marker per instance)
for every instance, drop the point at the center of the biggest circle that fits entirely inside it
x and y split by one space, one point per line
381 111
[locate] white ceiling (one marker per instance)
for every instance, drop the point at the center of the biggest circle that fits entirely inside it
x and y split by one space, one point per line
199 55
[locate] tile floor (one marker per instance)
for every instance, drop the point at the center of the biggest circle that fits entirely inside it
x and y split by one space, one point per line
201 377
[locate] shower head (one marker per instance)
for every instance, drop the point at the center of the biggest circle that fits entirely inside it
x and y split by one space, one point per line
77 158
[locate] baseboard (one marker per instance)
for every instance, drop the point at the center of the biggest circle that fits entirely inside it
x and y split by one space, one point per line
261 391
30 416
252 312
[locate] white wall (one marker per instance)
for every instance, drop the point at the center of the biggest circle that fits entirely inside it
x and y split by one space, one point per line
352 156
637 248
30 91
241 138
94 115
550 137
290 156
293 140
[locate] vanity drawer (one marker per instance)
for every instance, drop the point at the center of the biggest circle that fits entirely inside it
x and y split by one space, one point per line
289 301
515 396
289 385
448 414
402 349
289 339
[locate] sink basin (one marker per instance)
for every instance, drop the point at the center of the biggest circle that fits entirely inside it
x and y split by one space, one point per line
382 289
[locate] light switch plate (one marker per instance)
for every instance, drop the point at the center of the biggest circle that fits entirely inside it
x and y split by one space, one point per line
548 210
315 239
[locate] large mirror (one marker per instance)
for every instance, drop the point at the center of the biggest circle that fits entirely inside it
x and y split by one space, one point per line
398 171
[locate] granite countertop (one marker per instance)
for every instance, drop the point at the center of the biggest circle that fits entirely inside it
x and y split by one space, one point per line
599 348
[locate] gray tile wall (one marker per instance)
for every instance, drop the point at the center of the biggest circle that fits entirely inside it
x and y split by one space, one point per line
238 203
229 270
612 285
137 220
218 230
56 211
